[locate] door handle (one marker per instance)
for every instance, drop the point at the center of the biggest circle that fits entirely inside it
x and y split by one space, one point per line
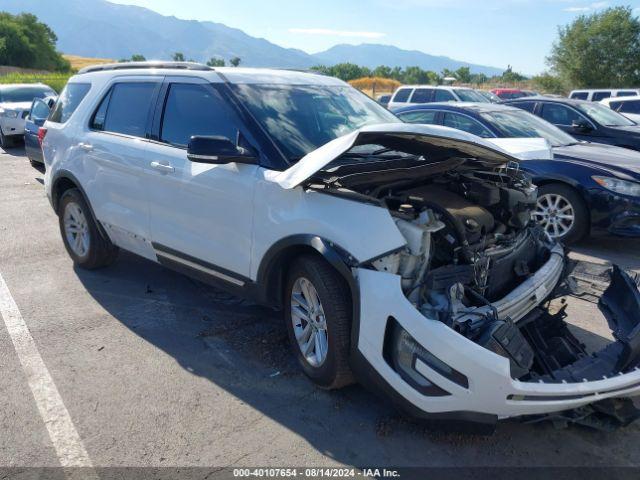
87 147
161 167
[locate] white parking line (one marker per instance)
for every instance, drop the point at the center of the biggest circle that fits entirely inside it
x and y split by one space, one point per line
63 434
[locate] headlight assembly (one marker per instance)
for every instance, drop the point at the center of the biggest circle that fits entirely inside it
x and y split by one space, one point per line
616 185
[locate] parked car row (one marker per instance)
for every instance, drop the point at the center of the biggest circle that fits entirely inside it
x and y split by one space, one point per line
403 256
15 105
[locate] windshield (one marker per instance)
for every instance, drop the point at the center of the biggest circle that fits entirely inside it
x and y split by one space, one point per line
468 95
604 115
521 124
24 94
301 118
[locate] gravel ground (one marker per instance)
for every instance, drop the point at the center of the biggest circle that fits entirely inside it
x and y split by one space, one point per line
158 370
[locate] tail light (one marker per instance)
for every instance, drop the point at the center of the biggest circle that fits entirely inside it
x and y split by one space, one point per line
42 132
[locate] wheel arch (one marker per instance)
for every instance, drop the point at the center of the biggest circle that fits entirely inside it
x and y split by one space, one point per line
573 185
274 264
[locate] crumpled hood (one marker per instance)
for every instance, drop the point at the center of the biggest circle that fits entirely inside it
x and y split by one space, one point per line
470 145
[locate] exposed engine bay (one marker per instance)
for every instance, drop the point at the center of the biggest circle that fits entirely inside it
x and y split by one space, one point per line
470 241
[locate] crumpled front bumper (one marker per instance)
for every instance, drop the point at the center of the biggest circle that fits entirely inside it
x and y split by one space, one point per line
489 388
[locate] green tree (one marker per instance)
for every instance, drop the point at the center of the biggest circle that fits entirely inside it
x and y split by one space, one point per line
382 71
215 62
178 57
26 42
136 57
548 83
479 78
510 76
599 50
235 61
463 74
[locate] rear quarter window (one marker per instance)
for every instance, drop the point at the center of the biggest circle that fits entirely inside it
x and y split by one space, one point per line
69 101
402 95
597 96
580 95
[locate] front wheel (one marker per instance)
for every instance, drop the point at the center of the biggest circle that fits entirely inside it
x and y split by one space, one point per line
562 213
86 246
5 141
318 319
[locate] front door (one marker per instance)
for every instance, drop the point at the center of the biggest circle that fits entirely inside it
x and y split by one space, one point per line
201 214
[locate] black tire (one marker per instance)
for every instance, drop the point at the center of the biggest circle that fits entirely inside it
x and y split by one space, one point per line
580 226
332 291
100 252
5 141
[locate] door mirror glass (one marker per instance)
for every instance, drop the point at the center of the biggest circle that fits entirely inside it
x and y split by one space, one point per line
581 126
217 150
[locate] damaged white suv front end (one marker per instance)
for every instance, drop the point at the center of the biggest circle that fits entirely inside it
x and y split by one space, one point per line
466 318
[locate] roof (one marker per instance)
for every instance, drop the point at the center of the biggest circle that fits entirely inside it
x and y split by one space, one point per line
443 87
238 75
459 106
538 98
607 101
8 86
603 89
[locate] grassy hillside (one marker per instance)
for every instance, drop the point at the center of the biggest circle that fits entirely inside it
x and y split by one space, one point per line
80 62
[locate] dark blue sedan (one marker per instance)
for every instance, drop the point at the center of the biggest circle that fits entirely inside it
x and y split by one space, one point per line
40 108
586 188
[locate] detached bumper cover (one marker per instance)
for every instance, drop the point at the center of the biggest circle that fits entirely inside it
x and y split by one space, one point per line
490 388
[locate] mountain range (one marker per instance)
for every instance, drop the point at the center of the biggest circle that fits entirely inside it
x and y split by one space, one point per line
97 28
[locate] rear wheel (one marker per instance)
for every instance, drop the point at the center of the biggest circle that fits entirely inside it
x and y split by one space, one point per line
562 213
318 318
85 244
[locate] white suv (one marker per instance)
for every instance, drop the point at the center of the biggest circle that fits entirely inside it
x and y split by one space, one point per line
409 95
15 103
403 256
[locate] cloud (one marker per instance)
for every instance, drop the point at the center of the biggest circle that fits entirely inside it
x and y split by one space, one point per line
587 8
336 33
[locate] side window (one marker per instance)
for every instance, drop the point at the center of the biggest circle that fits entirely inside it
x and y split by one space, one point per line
39 110
422 95
68 101
626 93
194 110
443 96
580 95
559 114
597 96
466 124
425 116
615 106
125 109
630 107
528 106
402 95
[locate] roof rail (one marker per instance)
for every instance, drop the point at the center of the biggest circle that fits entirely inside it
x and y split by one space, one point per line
139 65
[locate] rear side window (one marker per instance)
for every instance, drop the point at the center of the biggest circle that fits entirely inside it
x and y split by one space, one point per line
580 95
422 95
626 93
195 110
443 96
69 100
597 96
125 109
528 106
402 95
425 116
615 105
629 107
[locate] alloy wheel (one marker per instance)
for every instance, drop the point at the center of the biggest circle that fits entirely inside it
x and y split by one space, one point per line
309 322
556 214
76 229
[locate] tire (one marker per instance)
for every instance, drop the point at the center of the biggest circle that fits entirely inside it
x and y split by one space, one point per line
332 292
5 141
555 200
92 250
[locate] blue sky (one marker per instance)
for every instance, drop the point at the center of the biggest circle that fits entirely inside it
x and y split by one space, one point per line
489 32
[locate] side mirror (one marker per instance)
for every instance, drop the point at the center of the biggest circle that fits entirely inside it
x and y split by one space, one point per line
217 150
581 126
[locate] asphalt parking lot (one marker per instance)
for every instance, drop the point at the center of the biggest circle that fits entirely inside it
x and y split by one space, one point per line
157 370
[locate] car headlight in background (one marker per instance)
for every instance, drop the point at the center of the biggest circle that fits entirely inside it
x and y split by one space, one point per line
623 187
9 113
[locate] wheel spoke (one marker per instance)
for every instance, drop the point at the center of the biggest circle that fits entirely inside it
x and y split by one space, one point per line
308 347
304 335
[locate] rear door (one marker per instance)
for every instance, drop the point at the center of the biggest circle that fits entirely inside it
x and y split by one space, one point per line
201 214
114 150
